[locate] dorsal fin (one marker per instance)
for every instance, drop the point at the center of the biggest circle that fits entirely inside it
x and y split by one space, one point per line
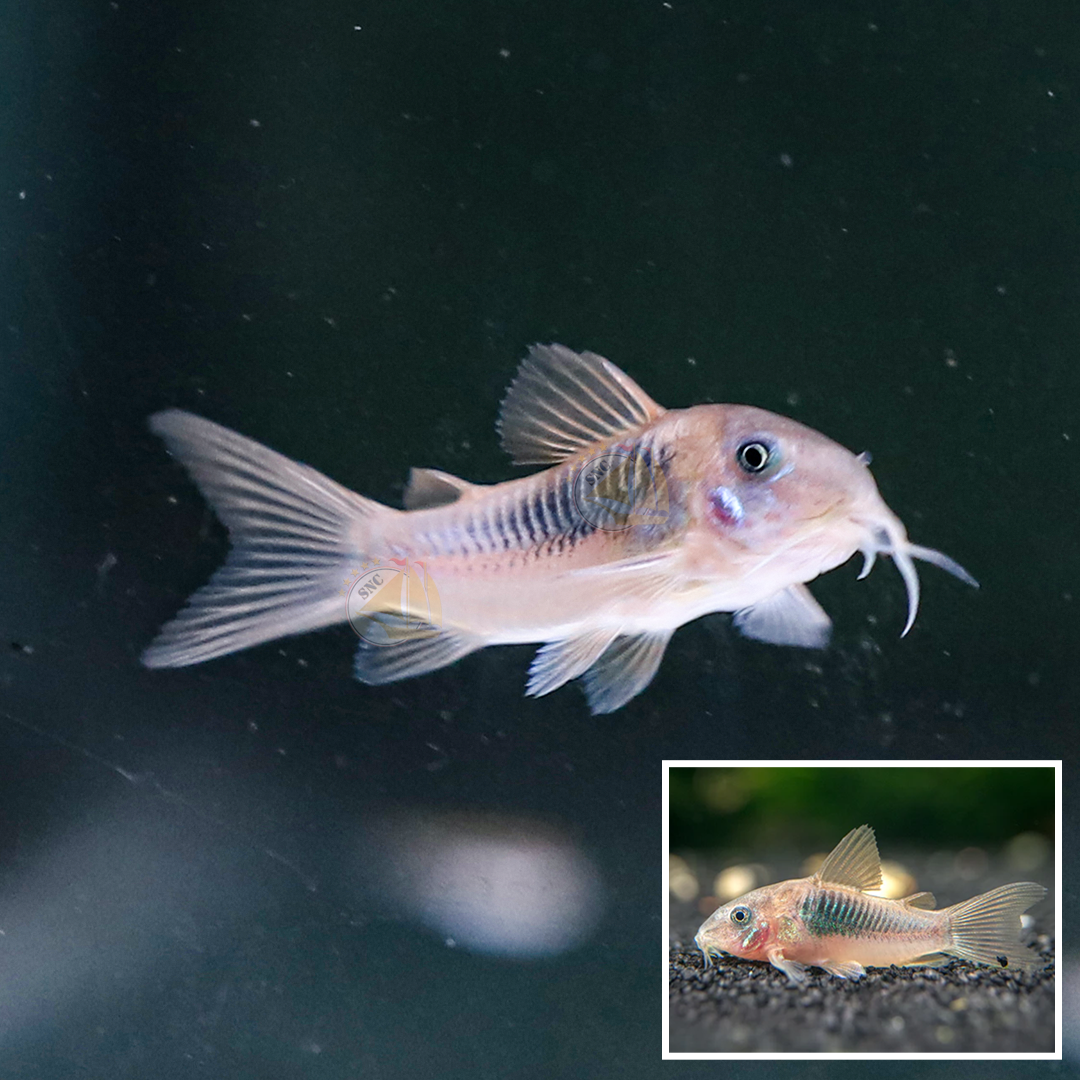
561 402
920 900
431 487
853 862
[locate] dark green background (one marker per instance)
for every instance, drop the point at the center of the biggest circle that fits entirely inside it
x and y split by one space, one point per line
789 806
864 217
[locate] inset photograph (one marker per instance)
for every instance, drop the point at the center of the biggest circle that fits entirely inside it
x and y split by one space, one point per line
906 909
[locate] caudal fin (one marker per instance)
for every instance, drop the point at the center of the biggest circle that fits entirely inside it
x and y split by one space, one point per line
986 929
295 535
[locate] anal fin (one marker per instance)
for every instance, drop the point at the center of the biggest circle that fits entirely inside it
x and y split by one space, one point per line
426 649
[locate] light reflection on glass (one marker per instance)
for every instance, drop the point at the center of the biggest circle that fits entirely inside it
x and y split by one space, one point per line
497 885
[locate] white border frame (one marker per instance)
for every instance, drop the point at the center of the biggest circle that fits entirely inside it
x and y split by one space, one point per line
855 763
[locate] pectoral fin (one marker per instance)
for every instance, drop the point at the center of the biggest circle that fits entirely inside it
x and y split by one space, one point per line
795 971
789 617
626 667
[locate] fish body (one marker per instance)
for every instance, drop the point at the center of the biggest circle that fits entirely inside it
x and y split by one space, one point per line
644 519
830 921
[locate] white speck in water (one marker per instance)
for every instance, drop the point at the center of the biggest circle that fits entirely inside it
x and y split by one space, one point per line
787 161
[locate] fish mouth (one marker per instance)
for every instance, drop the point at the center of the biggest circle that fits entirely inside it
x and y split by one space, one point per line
889 538
707 950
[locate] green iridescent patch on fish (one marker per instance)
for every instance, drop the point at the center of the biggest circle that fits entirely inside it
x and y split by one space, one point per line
830 914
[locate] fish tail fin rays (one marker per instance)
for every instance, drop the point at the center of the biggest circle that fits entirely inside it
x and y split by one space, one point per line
294 536
562 402
624 669
986 928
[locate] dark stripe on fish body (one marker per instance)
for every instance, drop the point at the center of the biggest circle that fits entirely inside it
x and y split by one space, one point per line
498 533
828 914
523 532
530 520
503 525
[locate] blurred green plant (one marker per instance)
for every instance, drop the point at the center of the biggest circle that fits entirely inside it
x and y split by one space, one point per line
712 808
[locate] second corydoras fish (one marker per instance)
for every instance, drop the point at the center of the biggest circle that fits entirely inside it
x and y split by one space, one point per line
829 921
645 519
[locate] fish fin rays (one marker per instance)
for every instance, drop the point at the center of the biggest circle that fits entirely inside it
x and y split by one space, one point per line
844 969
854 862
426 649
429 488
560 661
294 535
789 617
986 928
562 402
929 960
625 668
924 900
795 971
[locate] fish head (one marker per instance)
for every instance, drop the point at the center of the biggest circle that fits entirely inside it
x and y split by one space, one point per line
744 927
792 504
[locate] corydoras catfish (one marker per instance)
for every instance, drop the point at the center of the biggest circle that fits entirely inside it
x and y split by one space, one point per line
645 519
831 921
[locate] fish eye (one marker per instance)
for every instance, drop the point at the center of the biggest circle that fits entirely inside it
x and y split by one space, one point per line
740 915
754 456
